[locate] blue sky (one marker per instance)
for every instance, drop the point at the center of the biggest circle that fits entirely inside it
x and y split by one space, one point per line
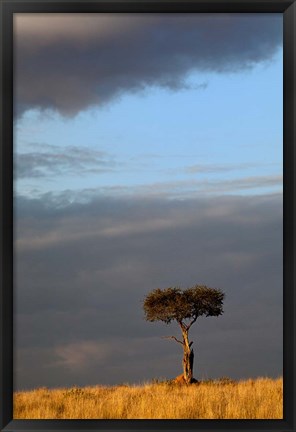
219 127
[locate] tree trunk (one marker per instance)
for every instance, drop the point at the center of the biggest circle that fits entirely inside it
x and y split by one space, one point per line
188 358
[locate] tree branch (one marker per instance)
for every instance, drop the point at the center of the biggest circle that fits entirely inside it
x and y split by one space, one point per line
192 322
173 337
182 325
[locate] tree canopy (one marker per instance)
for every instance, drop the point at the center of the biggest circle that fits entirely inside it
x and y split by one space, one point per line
177 304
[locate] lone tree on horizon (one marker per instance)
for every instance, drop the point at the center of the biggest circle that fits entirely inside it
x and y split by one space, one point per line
183 306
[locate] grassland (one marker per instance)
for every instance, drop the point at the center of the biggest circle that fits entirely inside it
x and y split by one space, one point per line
260 398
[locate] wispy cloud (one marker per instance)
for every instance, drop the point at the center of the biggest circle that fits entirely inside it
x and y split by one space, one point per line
79 355
179 189
223 168
194 188
50 160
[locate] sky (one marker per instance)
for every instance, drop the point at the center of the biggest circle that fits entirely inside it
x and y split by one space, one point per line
147 154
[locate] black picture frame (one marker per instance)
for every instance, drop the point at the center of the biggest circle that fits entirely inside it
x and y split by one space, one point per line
8 8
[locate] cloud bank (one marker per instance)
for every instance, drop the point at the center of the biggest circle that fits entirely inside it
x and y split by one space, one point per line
82 272
73 62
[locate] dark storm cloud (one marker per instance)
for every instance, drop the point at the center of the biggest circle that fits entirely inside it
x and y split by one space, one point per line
47 160
72 62
83 270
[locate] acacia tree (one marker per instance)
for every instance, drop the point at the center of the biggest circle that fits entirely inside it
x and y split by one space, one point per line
184 307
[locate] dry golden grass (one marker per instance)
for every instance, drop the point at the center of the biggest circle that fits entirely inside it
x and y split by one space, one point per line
260 398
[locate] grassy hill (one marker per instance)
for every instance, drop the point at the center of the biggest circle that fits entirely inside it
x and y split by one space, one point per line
260 398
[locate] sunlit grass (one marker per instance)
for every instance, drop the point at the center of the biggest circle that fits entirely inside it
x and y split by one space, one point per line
260 398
